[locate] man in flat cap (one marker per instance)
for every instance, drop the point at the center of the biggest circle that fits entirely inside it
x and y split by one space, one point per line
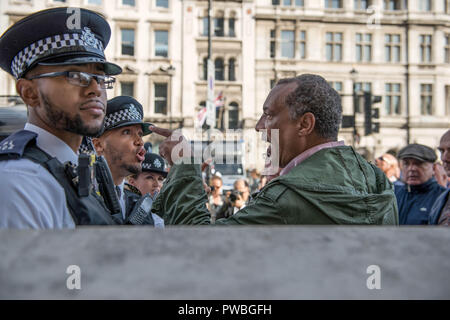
416 198
62 75
440 213
122 145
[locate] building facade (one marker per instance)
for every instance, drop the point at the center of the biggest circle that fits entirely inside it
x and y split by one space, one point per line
396 49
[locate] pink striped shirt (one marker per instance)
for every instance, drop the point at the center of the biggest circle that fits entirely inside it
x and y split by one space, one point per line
308 153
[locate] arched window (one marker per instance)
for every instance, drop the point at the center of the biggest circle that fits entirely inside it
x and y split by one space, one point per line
231 25
231 70
219 69
233 116
219 24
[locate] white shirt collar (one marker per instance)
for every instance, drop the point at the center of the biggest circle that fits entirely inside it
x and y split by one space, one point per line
52 144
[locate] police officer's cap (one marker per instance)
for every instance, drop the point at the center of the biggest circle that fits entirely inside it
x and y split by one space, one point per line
154 163
57 36
419 152
125 111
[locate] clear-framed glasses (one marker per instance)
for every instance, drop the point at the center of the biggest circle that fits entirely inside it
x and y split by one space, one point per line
81 79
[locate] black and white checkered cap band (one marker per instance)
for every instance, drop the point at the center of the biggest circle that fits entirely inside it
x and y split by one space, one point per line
50 45
128 114
85 147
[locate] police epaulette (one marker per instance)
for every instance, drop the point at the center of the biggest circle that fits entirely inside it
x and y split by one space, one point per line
13 147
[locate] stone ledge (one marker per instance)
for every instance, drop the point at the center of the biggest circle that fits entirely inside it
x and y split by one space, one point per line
226 263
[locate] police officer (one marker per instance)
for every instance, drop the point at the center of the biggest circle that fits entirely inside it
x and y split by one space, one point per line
62 75
151 179
122 145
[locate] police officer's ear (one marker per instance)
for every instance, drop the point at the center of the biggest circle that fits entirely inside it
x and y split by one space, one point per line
28 92
306 124
99 145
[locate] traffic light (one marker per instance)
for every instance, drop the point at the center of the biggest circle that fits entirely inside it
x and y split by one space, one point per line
371 113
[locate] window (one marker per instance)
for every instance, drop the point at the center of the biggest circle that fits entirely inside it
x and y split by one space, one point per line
205 68
392 98
233 116
302 45
231 70
362 4
161 98
127 42
425 48
447 48
205 26
299 3
162 3
425 5
360 88
218 27
161 43
336 85
272 43
287 44
63 1
131 3
392 47
333 4
287 2
127 89
363 47
392 5
96 2
275 2
447 100
426 99
231 32
333 47
219 69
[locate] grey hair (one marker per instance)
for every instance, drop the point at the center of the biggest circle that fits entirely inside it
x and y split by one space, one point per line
314 94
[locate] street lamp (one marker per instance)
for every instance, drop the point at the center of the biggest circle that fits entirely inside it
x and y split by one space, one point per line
354 76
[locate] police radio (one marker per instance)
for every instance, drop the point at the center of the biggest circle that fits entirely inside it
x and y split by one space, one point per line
86 174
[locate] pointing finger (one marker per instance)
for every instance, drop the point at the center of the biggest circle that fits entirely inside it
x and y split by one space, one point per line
161 131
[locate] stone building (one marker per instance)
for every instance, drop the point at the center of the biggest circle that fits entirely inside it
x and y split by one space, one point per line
396 49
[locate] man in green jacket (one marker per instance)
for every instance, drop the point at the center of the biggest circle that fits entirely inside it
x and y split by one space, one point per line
322 180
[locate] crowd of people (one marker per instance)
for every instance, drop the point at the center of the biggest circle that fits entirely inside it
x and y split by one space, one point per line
81 158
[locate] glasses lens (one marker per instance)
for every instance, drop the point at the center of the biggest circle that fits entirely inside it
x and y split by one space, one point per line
85 79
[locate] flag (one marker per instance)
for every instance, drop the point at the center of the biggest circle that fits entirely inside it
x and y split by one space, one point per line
219 101
201 117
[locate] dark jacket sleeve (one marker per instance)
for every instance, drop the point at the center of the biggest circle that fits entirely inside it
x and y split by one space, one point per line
182 199
438 205
263 209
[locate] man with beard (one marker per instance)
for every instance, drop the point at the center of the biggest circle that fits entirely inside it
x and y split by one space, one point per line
322 180
123 148
62 75
416 197
440 213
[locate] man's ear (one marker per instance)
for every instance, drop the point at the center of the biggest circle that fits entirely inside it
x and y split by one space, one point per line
99 145
306 124
28 92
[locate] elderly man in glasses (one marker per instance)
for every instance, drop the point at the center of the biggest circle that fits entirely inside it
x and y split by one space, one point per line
62 75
